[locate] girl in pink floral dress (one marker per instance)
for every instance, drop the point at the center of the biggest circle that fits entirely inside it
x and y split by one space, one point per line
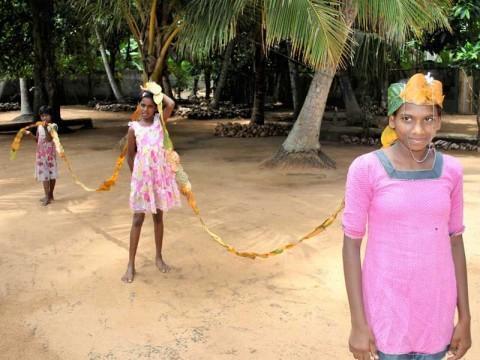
46 157
153 188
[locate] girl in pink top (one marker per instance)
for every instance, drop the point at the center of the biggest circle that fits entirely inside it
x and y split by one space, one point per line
153 188
408 198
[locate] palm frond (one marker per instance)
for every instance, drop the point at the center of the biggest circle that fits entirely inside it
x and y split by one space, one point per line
397 20
316 29
209 25
108 13
372 53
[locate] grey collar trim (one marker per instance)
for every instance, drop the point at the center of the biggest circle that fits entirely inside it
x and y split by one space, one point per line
434 173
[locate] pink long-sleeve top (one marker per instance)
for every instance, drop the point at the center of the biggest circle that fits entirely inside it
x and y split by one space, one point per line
408 275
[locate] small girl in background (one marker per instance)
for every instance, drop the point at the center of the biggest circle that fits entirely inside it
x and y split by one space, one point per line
153 188
46 156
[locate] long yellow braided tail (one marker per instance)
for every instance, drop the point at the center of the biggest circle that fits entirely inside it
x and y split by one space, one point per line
184 185
279 250
105 186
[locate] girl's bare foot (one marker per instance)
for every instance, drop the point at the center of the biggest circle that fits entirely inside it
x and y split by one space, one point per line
161 265
46 201
129 274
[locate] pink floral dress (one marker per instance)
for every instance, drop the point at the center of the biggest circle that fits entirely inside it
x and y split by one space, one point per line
46 157
153 184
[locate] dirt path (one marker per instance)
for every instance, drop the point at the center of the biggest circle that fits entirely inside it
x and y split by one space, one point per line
60 291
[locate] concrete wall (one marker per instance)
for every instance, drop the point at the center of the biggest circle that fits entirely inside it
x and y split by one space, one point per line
84 88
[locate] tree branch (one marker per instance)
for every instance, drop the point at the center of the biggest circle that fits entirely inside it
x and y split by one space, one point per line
151 31
157 72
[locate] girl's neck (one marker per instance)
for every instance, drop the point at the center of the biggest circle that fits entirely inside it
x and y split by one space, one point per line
405 159
148 120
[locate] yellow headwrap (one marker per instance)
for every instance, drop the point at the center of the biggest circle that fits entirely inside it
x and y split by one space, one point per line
419 90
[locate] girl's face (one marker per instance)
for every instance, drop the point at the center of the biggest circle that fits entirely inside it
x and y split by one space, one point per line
148 108
46 118
416 125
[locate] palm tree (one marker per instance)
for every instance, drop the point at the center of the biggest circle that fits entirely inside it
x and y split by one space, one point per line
315 29
394 21
154 25
222 78
319 32
45 68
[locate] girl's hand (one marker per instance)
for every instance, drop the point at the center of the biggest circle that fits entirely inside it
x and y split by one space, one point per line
461 340
362 343
27 132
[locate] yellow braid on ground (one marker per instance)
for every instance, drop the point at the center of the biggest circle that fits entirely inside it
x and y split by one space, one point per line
277 251
105 186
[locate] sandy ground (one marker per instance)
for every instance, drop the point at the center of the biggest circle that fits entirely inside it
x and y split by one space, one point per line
461 124
60 291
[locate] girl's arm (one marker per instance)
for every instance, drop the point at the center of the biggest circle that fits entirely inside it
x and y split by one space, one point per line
361 341
168 106
461 339
131 148
358 196
28 132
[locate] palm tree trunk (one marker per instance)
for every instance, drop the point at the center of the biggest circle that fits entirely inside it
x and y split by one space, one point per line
25 108
293 72
384 92
302 147
208 85
277 86
195 86
354 112
111 80
112 59
44 65
2 88
222 79
478 119
167 87
258 110
465 96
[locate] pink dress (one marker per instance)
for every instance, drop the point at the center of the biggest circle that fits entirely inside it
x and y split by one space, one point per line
153 184
45 158
409 284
